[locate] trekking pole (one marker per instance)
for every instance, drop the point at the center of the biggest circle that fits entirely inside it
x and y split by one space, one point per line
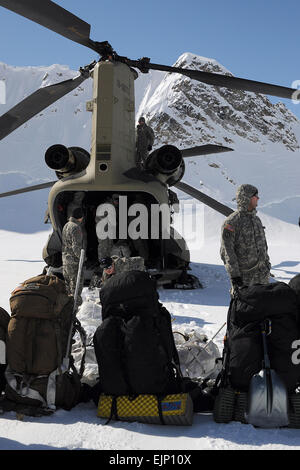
208 342
221 328
81 261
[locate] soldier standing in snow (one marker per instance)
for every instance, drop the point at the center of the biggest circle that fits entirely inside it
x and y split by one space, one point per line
73 241
244 249
144 142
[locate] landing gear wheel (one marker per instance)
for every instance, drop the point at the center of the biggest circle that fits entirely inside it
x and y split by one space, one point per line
224 406
294 411
240 407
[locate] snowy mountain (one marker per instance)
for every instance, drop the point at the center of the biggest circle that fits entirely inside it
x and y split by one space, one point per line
187 112
265 137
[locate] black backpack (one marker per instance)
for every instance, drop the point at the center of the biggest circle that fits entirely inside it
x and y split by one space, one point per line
278 303
134 344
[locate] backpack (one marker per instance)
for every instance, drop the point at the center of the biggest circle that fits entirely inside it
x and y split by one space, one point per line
134 344
40 372
276 302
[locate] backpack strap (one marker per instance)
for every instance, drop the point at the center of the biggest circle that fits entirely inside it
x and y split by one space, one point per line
82 334
159 408
113 410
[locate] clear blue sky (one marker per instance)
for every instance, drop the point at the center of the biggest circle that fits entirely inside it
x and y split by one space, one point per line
255 39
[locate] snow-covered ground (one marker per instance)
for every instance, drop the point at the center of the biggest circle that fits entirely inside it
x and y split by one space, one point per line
203 309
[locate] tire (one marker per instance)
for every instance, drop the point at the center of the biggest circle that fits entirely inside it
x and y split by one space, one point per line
294 411
240 407
224 406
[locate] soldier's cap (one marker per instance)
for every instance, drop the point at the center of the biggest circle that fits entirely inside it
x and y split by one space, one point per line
247 190
141 119
77 213
115 197
106 262
243 195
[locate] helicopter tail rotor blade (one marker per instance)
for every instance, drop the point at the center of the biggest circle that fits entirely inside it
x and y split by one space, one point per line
35 103
54 17
207 200
204 150
28 189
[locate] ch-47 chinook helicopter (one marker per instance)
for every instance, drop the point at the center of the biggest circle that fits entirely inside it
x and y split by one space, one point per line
111 165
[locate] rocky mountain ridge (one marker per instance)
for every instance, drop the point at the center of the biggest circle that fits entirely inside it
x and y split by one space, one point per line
194 112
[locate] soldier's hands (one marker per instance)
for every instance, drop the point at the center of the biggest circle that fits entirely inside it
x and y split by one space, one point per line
237 281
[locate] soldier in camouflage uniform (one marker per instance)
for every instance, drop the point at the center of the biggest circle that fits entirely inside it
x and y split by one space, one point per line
73 241
244 249
116 265
144 141
105 245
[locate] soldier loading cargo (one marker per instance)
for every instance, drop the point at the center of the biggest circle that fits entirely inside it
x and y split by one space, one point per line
244 248
73 240
144 141
115 265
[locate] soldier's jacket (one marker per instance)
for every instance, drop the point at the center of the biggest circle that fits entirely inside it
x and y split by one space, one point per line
144 138
244 248
73 240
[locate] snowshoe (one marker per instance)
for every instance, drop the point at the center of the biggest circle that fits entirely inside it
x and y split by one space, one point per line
23 409
294 411
240 407
224 406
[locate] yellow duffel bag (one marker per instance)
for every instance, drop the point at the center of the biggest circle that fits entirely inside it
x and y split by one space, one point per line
174 409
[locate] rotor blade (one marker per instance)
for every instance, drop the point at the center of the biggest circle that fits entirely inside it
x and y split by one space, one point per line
54 17
204 150
35 103
28 189
216 79
209 201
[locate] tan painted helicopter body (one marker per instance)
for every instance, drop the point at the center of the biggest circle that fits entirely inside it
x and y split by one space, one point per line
113 154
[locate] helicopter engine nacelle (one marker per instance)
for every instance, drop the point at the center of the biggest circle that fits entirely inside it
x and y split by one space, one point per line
66 161
167 164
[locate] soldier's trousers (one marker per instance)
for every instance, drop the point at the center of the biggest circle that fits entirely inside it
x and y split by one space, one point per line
70 275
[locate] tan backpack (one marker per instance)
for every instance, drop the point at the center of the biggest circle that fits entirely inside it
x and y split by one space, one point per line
41 319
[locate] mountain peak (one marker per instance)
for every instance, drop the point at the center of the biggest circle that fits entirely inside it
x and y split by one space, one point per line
197 62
